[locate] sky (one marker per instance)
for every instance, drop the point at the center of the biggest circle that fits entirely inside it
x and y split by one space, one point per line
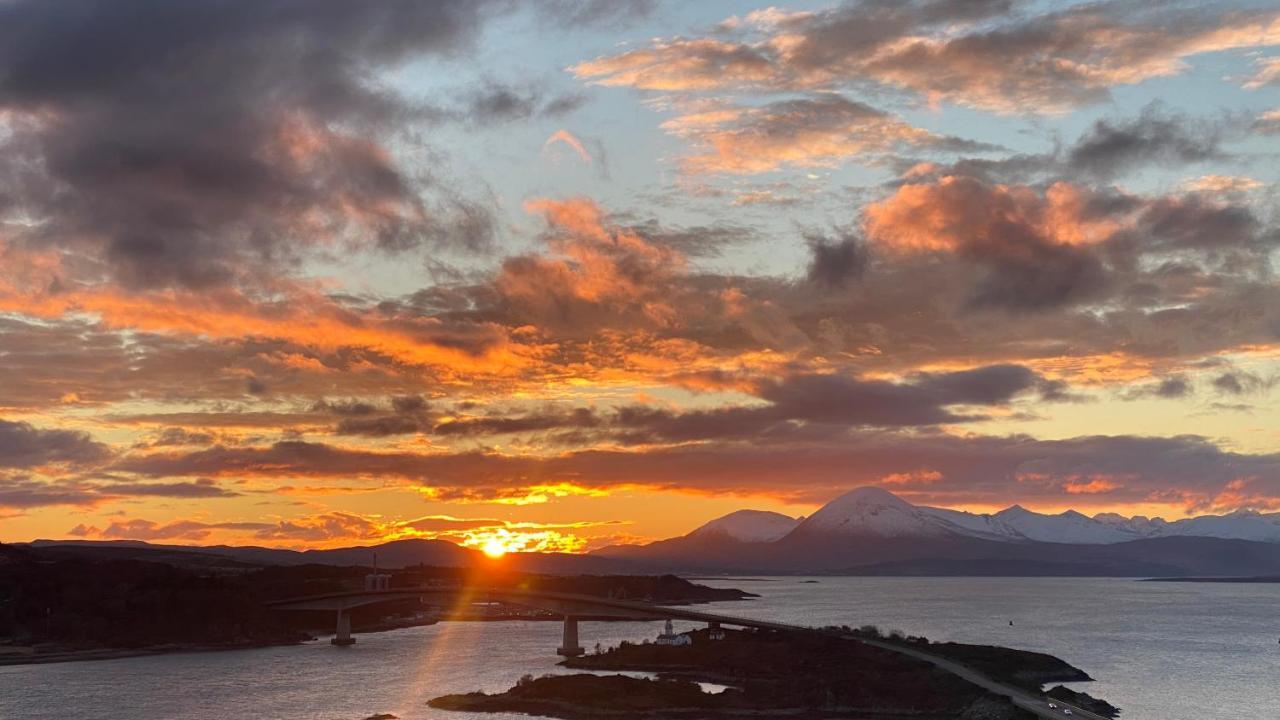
562 274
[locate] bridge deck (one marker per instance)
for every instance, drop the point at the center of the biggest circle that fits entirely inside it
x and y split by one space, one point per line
570 604
556 602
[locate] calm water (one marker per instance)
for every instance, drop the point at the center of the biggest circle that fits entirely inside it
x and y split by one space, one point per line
1161 651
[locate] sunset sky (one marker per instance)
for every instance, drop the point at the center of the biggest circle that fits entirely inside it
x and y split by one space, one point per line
577 273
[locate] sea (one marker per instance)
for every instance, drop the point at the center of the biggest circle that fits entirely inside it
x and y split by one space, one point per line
1159 651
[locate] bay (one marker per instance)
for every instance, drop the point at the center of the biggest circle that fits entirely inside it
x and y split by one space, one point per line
1160 651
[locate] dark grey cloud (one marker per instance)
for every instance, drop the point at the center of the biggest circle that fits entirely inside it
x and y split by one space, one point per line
23 492
179 436
1173 387
1154 138
23 445
1004 233
141 529
198 143
547 420
402 415
490 103
1187 470
837 400
1237 382
1194 222
380 426
696 240
842 401
408 403
1037 276
202 488
836 261
1112 147
346 407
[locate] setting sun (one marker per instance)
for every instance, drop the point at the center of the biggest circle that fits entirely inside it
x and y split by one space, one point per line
494 548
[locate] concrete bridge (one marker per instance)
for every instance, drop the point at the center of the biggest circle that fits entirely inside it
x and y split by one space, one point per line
571 607
567 605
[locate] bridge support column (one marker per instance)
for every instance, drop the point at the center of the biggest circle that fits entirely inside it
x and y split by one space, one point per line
569 646
343 637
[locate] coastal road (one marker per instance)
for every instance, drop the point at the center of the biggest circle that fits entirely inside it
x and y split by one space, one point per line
1037 704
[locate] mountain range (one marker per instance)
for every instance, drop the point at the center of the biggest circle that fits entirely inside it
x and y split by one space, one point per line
875 511
872 531
867 531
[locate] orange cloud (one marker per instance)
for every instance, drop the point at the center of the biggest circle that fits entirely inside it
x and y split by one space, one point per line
598 273
567 138
1223 184
303 316
817 132
916 477
1093 485
1016 64
701 64
958 212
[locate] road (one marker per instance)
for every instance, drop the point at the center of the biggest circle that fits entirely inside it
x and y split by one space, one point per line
1032 702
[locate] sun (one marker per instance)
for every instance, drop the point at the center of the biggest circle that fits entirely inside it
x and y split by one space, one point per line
494 548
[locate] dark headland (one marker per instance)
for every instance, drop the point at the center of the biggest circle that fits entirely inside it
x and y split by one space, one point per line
60 603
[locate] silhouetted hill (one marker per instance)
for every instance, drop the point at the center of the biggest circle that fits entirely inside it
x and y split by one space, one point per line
394 554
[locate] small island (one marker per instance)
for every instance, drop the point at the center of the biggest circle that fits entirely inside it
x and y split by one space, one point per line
773 674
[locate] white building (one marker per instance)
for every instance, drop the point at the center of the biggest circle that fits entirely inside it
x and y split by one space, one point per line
669 636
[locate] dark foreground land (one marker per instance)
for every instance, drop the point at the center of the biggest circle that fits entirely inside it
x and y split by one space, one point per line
69 603
780 674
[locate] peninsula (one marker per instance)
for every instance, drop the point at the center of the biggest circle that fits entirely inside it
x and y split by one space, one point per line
838 672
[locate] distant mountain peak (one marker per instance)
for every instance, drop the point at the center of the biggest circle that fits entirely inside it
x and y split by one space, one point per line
870 494
872 511
749 526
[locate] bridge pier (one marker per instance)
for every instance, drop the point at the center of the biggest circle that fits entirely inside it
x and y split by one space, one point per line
569 646
343 636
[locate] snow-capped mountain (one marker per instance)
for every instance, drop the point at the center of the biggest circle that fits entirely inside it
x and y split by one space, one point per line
873 511
1239 525
749 526
1067 527
871 531
876 512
